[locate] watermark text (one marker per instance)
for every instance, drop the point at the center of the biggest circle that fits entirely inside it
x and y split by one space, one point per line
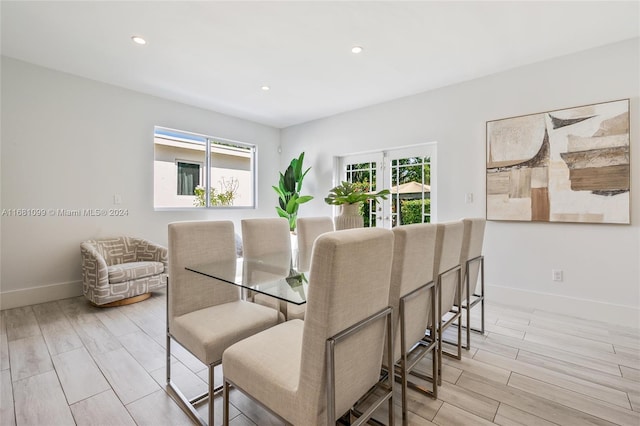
58 212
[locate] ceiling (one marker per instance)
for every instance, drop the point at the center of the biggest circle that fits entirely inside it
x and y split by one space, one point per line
218 55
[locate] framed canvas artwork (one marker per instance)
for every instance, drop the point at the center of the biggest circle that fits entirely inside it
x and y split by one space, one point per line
568 165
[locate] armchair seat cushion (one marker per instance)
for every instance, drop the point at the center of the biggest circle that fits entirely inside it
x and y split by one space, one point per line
207 332
133 270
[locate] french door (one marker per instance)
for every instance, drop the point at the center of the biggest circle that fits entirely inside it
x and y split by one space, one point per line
409 173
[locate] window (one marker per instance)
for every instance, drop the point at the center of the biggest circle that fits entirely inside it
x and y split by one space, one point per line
198 171
188 178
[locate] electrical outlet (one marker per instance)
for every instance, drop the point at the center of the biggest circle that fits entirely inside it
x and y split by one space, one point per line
556 274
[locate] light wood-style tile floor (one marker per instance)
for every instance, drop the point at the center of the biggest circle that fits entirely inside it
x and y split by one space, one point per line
66 362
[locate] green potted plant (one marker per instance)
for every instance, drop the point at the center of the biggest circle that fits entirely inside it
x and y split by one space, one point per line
350 195
288 189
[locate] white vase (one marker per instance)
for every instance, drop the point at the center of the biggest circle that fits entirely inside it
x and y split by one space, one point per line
349 217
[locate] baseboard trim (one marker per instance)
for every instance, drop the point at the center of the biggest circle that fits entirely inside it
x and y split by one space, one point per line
593 310
33 295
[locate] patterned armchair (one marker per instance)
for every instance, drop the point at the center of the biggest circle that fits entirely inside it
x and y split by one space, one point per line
121 270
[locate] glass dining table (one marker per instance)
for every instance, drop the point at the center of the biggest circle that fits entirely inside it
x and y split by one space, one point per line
273 275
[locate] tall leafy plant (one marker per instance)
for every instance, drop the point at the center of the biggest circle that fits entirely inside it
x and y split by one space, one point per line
288 190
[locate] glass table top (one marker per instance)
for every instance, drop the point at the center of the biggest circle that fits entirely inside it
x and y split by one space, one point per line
272 275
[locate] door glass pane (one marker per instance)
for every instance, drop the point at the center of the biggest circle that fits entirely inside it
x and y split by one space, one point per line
410 190
364 176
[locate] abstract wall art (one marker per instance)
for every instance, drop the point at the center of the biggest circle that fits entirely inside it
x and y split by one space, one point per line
568 165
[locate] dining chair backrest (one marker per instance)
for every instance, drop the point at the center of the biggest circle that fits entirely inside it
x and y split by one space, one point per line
413 259
190 244
348 282
471 249
308 229
448 249
263 236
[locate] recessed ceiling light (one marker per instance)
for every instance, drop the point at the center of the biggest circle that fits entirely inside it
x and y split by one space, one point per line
356 49
139 40
266 88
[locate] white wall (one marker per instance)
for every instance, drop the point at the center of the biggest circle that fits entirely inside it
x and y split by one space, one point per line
72 143
600 262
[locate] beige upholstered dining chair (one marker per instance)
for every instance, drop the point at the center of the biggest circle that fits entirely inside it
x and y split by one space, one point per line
448 278
311 372
121 270
472 263
264 236
205 315
413 299
308 229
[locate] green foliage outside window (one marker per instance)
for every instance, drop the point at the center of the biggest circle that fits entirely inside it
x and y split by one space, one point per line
417 169
224 197
411 211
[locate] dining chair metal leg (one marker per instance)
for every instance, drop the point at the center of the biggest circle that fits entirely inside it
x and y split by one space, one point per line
467 344
391 375
403 378
469 304
481 296
482 329
211 393
459 301
168 341
225 396
418 351
443 325
439 329
403 363
434 367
